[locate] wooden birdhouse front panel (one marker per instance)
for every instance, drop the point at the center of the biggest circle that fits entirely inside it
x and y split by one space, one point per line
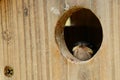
37 39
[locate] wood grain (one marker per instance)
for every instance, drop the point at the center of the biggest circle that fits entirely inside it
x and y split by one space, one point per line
27 41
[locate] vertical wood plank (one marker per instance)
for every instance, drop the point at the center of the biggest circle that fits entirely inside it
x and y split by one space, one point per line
27 41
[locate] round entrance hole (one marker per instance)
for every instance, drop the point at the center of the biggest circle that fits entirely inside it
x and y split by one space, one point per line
75 27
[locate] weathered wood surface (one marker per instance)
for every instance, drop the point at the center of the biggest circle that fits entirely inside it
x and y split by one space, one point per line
27 41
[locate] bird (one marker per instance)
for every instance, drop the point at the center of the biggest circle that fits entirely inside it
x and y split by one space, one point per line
82 51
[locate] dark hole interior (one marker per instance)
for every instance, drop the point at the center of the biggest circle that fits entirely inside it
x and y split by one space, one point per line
84 26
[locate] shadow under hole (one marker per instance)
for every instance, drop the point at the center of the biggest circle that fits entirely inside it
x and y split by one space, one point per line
84 26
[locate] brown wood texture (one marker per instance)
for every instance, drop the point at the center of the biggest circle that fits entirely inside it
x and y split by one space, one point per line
27 41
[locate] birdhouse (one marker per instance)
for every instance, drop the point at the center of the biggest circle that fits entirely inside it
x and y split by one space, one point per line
59 40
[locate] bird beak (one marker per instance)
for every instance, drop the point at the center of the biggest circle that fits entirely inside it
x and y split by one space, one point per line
76 47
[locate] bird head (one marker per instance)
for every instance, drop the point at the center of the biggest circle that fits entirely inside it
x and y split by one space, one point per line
84 46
